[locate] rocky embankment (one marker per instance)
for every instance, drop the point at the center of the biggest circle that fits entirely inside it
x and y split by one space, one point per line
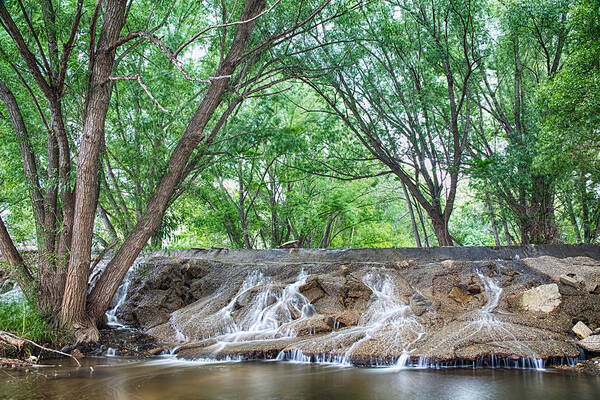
408 307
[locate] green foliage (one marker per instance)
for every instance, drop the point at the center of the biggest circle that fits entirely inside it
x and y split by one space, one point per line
23 319
282 166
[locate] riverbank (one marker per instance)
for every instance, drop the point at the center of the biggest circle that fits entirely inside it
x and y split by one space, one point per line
520 307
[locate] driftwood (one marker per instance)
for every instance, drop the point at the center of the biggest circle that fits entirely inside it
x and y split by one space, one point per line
18 342
14 363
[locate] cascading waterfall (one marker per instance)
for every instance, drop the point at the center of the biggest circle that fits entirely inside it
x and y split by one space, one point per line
121 296
485 321
15 294
386 313
272 312
232 320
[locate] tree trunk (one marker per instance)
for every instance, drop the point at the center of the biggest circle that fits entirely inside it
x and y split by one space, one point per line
413 221
572 218
440 229
73 311
537 219
422 221
490 208
108 283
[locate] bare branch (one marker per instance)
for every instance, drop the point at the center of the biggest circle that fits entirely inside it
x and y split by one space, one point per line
197 35
15 340
139 80
174 60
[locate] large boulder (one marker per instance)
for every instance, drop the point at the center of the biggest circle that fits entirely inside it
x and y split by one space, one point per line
543 298
591 343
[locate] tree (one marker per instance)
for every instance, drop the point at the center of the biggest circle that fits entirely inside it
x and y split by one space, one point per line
570 138
403 88
65 205
530 43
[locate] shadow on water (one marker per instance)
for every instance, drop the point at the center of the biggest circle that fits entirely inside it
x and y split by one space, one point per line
167 379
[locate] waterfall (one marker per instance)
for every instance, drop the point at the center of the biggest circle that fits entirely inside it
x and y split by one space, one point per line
386 315
485 322
271 312
492 292
388 333
15 294
120 296
387 312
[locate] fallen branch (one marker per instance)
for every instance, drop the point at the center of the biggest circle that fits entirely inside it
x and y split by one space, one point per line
14 340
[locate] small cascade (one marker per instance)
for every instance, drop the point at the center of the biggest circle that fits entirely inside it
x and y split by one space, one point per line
120 296
493 293
485 323
387 312
270 312
386 316
110 352
491 361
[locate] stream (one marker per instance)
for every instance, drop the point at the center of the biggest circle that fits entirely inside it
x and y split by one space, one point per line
166 378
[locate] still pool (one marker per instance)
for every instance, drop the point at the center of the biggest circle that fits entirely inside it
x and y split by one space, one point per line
114 378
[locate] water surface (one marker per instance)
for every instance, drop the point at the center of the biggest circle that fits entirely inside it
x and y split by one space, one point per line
167 379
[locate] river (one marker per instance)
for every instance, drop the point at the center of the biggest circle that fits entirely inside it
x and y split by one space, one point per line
114 378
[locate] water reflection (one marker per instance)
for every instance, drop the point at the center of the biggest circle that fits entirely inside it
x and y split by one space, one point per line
166 379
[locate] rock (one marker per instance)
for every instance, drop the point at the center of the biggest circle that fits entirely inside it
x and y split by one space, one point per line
459 295
312 290
592 287
544 298
155 351
570 280
581 330
450 264
419 304
591 343
509 272
77 353
474 288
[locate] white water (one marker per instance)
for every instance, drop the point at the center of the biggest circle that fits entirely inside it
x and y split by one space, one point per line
387 312
121 296
386 316
486 322
493 293
271 312
261 310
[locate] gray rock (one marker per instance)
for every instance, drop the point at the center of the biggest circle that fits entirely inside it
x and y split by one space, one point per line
544 298
570 280
459 295
419 304
591 343
581 330
592 287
